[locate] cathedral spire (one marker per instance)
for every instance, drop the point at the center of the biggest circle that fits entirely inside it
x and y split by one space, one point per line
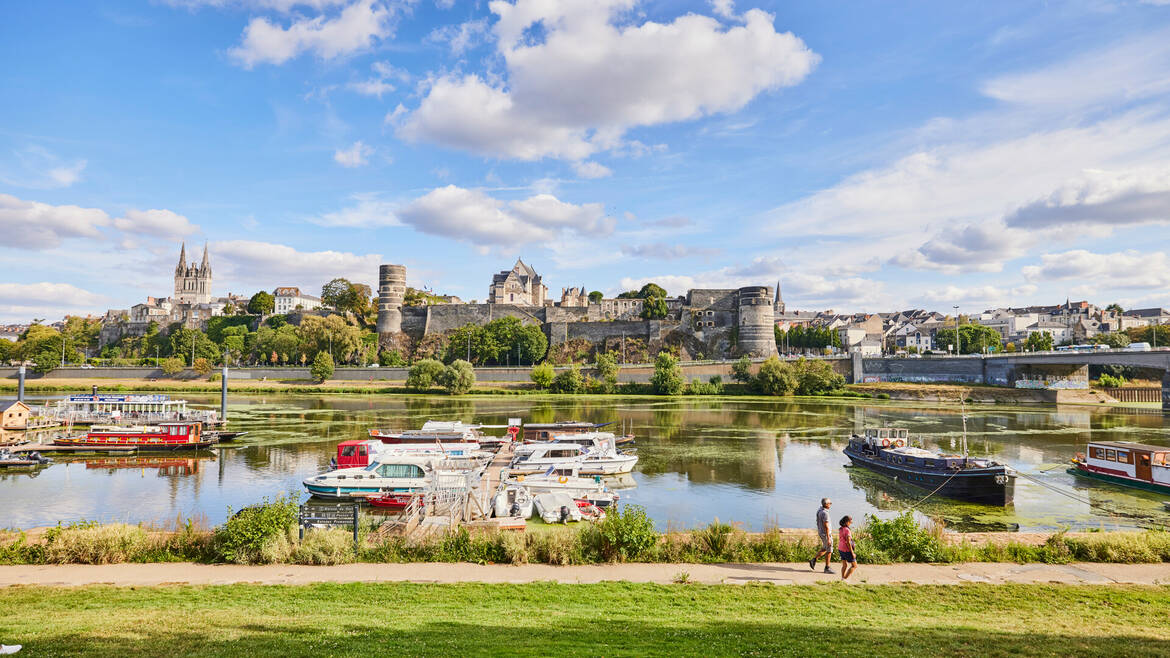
206 266
182 258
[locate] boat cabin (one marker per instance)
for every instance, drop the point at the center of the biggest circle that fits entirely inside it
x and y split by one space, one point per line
887 437
353 454
546 431
1135 461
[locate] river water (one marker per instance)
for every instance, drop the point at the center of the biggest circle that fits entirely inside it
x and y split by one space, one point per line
757 462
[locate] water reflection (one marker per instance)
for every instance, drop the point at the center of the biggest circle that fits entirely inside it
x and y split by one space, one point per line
758 462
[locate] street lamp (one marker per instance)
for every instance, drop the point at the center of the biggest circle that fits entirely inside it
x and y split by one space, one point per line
958 343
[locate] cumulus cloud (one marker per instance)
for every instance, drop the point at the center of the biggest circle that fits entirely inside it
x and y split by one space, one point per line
594 74
355 28
355 156
460 38
35 225
592 170
474 216
248 264
158 223
663 251
379 83
1100 197
1124 269
367 212
64 295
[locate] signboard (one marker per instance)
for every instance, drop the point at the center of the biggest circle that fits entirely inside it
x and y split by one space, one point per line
330 514
119 398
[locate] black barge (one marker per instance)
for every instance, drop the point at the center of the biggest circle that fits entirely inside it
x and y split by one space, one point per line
887 451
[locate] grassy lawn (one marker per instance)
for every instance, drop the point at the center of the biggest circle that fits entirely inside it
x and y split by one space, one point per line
608 619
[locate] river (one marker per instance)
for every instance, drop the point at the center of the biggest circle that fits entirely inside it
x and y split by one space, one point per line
756 462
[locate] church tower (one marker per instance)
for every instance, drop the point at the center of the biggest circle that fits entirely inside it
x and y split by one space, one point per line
778 304
193 282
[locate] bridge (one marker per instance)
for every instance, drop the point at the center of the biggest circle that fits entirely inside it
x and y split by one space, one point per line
1010 369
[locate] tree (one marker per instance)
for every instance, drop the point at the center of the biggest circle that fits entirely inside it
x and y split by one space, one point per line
775 377
1154 335
1038 341
973 338
568 381
459 377
277 321
816 377
542 375
391 359
741 370
533 344
322 367
423 374
667 378
262 303
1115 308
332 334
334 294
1114 340
183 339
202 366
652 290
608 370
172 366
5 350
654 308
595 297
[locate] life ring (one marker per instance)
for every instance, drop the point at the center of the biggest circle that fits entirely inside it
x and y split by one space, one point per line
899 442
885 443
562 479
519 478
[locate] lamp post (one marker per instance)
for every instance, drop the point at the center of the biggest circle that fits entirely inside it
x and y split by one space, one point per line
958 343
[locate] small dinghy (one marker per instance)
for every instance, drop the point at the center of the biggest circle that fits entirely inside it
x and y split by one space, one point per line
512 500
557 508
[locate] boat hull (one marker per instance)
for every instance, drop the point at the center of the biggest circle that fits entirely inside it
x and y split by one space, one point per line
143 446
1123 481
986 486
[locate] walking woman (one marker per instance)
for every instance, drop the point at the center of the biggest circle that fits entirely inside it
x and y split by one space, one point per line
845 548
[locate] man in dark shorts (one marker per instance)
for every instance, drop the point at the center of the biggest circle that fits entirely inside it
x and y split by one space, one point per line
823 534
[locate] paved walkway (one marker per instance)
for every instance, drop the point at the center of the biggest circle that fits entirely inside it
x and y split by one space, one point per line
779 574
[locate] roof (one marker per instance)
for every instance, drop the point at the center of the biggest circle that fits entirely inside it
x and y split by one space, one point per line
1126 445
5 406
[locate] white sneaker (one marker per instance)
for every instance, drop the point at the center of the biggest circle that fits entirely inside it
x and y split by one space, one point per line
9 649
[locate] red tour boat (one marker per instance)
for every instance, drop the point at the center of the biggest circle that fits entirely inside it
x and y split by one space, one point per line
164 436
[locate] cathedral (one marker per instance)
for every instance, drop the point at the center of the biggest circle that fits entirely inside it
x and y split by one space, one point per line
192 282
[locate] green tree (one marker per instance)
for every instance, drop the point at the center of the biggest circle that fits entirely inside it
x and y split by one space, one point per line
182 341
1158 336
568 381
1114 340
652 290
1038 341
1115 308
607 371
172 366
322 367
532 343
202 366
459 377
775 377
542 375
276 321
741 370
5 350
335 294
654 308
391 359
331 334
262 303
423 374
816 377
595 297
667 378
973 338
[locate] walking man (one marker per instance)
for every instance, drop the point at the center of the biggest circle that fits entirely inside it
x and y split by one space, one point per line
825 537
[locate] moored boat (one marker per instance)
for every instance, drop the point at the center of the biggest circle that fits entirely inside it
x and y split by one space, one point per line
549 431
887 451
1129 464
186 435
594 454
395 474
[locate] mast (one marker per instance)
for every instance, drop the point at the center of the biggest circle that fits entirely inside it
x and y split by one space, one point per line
963 406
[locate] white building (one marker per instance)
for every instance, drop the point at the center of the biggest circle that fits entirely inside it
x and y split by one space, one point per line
290 298
1060 331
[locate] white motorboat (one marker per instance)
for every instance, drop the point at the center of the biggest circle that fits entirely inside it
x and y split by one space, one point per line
443 431
395 473
561 479
512 500
595 453
557 507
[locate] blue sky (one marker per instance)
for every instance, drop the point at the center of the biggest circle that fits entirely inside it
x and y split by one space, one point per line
870 155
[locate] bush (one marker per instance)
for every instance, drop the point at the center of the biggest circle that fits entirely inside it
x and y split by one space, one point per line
391 359
607 370
172 366
542 375
568 381
1109 381
88 543
626 534
667 378
712 387
202 366
775 378
423 374
259 534
322 367
816 377
325 547
900 539
458 378
741 371
716 539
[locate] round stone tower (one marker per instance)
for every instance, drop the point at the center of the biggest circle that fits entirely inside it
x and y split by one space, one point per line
391 291
757 321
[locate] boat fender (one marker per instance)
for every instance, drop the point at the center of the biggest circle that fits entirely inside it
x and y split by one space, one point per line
519 478
562 479
885 443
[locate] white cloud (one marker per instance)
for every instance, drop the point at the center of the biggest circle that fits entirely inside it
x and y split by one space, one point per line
1125 269
158 223
355 156
967 295
38 168
594 75
473 216
368 212
1100 197
249 264
724 8
283 6
379 83
460 38
355 28
592 170
35 225
663 251
58 295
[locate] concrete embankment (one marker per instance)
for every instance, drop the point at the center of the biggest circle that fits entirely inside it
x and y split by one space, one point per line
143 575
983 394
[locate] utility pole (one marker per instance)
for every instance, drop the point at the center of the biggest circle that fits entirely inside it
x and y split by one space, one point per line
958 344
469 347
156 356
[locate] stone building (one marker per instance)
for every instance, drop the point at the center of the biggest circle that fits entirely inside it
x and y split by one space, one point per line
574 297
521 286
192 282
290 298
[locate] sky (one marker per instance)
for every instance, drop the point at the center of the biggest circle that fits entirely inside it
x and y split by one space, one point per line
869 155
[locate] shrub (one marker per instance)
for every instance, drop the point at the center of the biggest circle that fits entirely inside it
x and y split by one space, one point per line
568 381
607 370
741 371
202 366
712 387
458 378
391 359
775 378
322 367
816 377
900 539
1109 381
423 374
542 375
259 534
626 534
667 378
716 539
88 543
325 547
172 366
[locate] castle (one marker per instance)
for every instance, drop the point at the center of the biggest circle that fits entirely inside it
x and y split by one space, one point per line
712 323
